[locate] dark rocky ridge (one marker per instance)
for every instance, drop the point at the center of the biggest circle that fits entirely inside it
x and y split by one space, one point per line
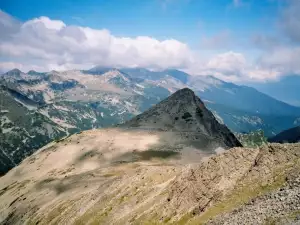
288 136
183 111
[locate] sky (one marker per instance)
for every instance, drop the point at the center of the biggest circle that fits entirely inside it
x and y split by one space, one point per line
235 40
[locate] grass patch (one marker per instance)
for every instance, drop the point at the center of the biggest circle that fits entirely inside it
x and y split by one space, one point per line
270 221
150 154
237 198
109 175
93 217
294 215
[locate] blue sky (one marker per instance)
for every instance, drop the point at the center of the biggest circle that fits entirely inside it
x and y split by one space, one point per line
232 39
185 20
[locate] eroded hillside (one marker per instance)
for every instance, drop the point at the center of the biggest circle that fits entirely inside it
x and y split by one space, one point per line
99 177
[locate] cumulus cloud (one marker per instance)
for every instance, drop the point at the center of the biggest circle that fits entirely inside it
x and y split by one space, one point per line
228 63
234 67
285 60
281 52
51 43
44 44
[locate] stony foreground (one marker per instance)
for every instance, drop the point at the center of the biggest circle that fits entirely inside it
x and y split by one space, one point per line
96 177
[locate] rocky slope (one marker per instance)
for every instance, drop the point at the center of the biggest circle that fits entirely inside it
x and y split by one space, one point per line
288 136
116 176
183 112
63 103
179 130
22 130
149 171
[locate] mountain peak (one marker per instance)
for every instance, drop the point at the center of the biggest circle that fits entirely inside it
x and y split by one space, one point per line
183 111
184 97
184 92
32 72
14 71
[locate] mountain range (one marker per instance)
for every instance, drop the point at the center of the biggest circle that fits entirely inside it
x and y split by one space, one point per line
172 164
284 89
41 107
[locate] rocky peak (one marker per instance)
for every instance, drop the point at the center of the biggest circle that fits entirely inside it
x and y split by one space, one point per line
184 95
14 72
183 111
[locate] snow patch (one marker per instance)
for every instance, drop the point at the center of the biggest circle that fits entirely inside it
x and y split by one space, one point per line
120 113
29 107
7 130
128 103
62 123
61 108
115 100
138 85
138 92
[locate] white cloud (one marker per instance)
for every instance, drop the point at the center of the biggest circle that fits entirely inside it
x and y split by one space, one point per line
228 63
43 44
285 60
281 52
51 43
47 23
233 67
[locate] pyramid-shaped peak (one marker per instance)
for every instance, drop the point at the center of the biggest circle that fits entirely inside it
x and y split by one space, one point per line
184 96
185 90
14 71
183 111
183 93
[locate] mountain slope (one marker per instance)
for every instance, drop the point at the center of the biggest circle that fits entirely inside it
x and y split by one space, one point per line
288 136
22 129
113 176
183 111
243 98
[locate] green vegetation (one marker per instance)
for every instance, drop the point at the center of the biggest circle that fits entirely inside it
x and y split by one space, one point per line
252 139
186 116
150 154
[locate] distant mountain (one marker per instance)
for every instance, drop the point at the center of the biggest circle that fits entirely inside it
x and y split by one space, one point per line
183 111
288 136
240 97
74 100
23 129
286 89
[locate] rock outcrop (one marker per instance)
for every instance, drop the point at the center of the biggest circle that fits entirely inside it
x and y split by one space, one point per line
183 112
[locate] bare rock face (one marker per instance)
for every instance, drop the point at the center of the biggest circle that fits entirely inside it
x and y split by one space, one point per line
185 112
241 186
